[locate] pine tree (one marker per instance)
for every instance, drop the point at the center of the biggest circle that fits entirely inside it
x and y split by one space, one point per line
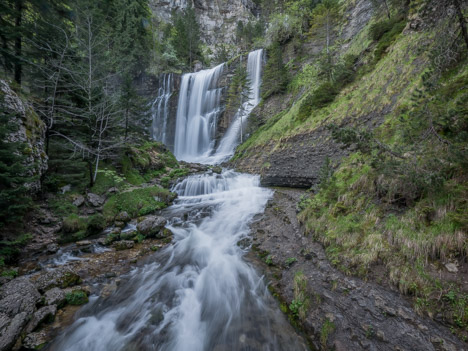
275 76
185 37
14 198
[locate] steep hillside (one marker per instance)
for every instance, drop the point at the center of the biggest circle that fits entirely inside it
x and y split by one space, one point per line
376 125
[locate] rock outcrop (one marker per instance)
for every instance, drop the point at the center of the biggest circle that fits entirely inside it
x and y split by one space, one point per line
218 18
23 310
31 132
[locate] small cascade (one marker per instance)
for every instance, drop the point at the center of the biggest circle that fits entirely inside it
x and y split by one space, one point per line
160 109
197 113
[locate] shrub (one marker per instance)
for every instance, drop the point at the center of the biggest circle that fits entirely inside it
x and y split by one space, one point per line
73 223
9 249
96 224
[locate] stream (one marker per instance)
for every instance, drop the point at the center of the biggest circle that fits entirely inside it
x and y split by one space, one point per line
199 293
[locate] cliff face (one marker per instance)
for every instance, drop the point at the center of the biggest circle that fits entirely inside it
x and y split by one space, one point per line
31 132
218 18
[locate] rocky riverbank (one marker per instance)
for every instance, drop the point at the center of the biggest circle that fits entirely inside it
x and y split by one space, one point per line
335 311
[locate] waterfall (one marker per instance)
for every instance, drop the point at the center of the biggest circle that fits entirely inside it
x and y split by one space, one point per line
197 113
232 136
160 109
199 108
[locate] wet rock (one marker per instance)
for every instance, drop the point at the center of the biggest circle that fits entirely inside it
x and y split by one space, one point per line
83 243
52 248
95 200
54 296
119 224
128 235
35 341
62 277
451 267
10 329
151 226
123 245
18 295
42 315
123 217
79 200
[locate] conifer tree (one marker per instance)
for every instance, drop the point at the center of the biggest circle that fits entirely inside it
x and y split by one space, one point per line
14 198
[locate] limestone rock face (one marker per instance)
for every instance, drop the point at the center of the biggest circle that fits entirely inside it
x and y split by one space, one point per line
31 132
218 18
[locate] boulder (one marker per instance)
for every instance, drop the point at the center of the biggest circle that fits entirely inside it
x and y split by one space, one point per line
123 217
52 248
10 329
35 341
83 243
61 277
95 200
151 226
55 296
44 314
451 267
17 296
123 245
78 200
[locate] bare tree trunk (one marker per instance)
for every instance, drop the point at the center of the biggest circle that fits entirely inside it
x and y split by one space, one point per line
461 20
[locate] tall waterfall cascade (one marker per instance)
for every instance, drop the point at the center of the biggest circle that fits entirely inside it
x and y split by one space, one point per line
160 109
197 113
199 108
232 136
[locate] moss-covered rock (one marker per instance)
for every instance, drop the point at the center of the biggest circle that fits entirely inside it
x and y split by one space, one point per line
76 297
138 202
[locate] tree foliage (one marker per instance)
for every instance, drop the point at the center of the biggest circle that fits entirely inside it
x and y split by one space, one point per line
14 196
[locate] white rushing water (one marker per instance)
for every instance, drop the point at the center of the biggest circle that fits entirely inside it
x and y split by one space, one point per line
232 136
197 113
160 109
203 296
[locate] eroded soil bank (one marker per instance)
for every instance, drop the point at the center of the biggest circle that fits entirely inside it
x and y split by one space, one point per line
335 311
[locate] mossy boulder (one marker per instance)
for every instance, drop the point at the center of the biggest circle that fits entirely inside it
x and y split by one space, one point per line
151 226
76 297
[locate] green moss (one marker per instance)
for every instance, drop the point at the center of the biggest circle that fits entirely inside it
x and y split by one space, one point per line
73 223
138 202
76 297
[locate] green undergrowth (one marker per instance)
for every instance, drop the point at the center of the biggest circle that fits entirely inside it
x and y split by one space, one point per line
9 253
400 201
